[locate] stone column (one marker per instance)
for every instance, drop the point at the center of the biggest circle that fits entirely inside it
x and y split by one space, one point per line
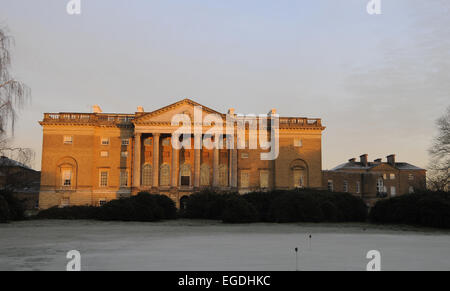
234 168
175 166
197 161
137 161
216 181
156 159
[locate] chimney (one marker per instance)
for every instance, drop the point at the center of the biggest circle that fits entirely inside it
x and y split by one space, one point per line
391 160
377 161
231 111
96 109
272 112
364 159
352 160
140 109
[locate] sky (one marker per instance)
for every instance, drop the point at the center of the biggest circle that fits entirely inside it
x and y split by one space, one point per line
378 82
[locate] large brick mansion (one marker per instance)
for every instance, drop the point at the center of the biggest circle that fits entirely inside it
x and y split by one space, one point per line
91 158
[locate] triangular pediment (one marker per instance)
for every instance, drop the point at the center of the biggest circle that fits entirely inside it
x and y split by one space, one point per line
165 114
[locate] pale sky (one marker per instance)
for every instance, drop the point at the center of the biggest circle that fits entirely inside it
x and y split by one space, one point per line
378 81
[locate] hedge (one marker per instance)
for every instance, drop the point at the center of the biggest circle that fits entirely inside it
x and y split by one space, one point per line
11 208
142 207
277 206
424 208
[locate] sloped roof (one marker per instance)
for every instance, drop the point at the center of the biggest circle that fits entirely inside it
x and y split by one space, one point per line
7 162
361 166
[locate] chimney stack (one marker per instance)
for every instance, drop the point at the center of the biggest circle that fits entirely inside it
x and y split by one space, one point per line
391 160
231 111
140 109
364 159
377 161
96 109
352 160
272 112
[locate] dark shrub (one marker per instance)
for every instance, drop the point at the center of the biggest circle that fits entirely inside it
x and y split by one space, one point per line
69 213
205 205
238 210
307 205
424 208
142 207
262 202
11 208
304 205
4 210
296 207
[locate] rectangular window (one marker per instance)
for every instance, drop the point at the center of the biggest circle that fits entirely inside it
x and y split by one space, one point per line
384 176
103 178
68 139
244 156
411 177
330 185
101 202
345 186
67 177
245 179
123 178
392 176
358 187
411 189
105 141
264 179
185 180
393 191
124 154
298 142
125 142
104 154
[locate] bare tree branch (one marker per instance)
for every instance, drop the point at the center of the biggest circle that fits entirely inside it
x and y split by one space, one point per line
439 174
13 94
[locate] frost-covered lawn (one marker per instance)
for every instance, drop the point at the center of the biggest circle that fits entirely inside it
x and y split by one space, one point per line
205 245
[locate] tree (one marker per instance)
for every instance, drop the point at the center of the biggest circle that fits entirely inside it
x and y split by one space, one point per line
13 96
439 174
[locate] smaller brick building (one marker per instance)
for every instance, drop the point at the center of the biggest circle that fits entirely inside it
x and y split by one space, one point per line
21 180
375 180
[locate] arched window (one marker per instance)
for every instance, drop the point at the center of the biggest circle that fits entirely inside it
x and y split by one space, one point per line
299 170
67 173
165 175
223 175
204 175
147 175
185 175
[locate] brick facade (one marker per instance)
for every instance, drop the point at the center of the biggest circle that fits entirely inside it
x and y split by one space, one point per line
133 152
375 180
